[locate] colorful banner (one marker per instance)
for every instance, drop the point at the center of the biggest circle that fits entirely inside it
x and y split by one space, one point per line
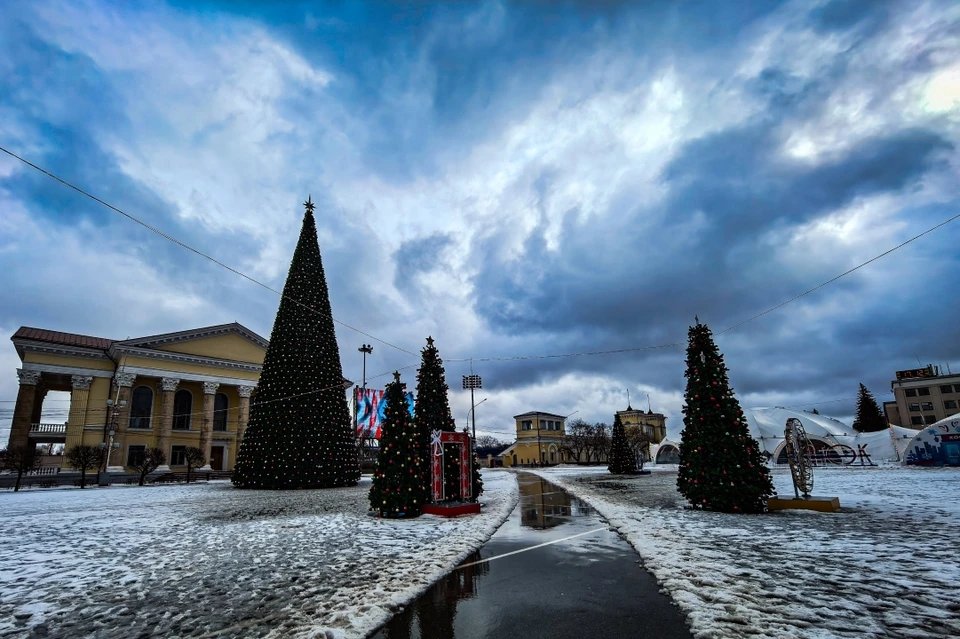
936 445
371 406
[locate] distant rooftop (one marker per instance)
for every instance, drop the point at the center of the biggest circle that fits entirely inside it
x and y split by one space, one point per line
534 413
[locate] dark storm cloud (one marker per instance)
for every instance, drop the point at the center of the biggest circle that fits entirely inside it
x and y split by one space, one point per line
735 180
840 15
418 256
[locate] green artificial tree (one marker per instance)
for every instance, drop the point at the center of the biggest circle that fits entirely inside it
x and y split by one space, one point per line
398 488
432 411
477 479
621 460
299 434
869 418
721 465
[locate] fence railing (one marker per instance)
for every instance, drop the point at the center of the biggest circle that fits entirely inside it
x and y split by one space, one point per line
48 429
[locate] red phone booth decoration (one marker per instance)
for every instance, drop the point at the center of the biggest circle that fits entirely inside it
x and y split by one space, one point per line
437 440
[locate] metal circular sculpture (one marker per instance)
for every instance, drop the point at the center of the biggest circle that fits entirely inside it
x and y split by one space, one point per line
801 466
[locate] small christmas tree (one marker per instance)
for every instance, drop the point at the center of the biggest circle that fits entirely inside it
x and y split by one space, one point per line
433 413
398 488
869 418
621 459
299 434
721 466
477 479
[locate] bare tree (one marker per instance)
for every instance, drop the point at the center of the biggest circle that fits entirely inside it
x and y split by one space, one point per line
195 459
639 441
20 459
599 443
84 457
576 443
148 462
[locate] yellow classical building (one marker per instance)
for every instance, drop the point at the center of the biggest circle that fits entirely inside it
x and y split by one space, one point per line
539 440
650 423
170 391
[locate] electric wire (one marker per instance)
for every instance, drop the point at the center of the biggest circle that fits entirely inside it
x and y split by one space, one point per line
478 359
726 330
193 250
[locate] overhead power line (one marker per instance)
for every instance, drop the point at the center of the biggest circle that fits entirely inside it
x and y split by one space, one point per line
489 358
726 330
191 249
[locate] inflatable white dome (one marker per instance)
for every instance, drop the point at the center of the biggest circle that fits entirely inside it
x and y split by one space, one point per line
834 442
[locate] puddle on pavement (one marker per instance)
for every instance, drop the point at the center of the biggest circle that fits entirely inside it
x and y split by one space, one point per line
589 581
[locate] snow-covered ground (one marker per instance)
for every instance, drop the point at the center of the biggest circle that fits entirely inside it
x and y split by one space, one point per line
885 566
206 560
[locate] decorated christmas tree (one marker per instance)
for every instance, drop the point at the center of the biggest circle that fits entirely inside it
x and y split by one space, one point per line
477 479
433 413
869 418
621 459
721 466
398 488
299 434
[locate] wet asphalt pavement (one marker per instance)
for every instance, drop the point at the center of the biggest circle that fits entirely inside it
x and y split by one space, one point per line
589 584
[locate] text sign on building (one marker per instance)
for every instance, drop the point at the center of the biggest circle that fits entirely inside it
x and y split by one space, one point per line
915 372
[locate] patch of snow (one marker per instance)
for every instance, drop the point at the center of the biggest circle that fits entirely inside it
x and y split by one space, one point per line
881 567
209 560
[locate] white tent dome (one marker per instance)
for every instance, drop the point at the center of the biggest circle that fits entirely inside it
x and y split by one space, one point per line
937 444
833 440
839 441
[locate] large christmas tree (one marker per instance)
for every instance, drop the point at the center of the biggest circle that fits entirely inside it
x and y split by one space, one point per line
398 489
299 434
621 459
721 467
869 418
433 413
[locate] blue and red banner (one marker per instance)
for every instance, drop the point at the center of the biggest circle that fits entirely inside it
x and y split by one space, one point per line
371 405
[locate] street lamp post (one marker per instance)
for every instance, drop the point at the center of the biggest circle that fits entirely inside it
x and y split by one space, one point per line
115 405
366 349
473 382
565 425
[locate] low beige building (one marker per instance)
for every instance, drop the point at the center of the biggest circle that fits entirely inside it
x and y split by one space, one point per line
922 396
539 440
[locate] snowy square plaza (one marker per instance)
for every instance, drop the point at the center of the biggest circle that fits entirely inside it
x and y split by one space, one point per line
206 560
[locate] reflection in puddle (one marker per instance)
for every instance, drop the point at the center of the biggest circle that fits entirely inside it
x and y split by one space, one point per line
543 505
434 613
542 508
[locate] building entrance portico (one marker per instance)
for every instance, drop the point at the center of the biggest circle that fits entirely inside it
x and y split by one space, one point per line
170 391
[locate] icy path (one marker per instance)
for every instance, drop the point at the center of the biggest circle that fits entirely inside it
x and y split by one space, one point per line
207 560
885 566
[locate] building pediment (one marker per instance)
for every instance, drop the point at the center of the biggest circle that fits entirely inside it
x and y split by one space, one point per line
168 339
226 345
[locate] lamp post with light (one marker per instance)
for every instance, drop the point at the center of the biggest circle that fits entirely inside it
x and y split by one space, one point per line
109 446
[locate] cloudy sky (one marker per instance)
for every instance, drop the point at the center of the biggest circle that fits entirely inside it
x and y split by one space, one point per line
512 179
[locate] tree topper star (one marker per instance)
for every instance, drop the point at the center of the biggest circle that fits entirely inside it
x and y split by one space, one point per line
429 341
396 376
309 205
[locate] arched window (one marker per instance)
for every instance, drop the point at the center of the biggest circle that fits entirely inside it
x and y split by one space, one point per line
141 407
220 405
182 407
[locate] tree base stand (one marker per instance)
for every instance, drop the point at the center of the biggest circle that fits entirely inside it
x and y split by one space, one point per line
453 509
819 504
